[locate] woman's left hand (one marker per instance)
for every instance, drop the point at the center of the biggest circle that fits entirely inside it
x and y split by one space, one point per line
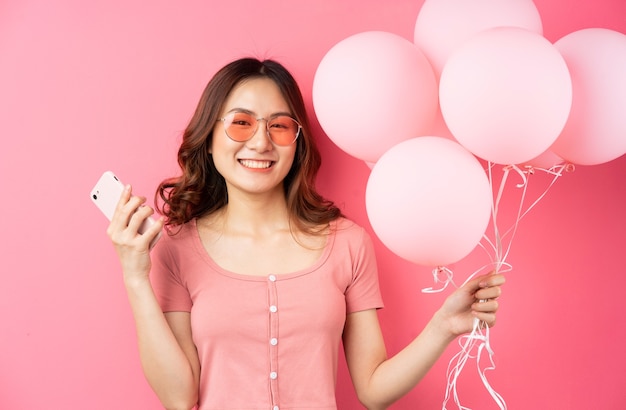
477 299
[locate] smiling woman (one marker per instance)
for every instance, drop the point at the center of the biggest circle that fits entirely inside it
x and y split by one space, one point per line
232 295
78 97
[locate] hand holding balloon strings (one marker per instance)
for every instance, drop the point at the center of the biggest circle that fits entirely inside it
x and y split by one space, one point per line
478 339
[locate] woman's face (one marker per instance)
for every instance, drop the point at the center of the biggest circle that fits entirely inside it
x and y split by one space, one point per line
256 165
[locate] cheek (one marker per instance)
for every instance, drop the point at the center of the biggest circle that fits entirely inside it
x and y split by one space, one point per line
289 156
219 144
216 151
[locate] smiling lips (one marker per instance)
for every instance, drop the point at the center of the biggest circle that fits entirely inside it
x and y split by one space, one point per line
249 163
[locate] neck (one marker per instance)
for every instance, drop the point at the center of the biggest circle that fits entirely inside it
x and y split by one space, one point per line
256 214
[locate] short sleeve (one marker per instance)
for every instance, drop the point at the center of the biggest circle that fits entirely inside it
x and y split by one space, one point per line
363 292
165 276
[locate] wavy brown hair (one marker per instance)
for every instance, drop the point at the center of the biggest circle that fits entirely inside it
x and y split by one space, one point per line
201 190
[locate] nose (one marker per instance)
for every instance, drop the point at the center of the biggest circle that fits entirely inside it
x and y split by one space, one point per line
260 140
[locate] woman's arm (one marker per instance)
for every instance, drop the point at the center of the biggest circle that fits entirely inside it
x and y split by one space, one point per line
168 355
380 381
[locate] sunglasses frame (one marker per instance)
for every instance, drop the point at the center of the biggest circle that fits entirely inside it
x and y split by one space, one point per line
258 120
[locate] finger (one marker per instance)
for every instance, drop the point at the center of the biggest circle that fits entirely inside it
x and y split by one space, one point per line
492 279
484 281
486 306
124 197
128 200
154 230
140 214
129 209
493 292
126 193
126 207
144 234
488 318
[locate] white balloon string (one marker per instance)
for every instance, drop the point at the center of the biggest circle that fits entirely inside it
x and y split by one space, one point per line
492 366
477 340
498 251
556 171
438 272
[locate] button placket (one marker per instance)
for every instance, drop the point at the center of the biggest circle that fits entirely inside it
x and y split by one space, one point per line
273 338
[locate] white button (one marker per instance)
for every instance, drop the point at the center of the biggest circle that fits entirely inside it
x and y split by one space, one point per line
273 309
275 408
273 375
272 278
273 341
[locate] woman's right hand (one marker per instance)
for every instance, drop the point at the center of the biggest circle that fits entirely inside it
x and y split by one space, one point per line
133 248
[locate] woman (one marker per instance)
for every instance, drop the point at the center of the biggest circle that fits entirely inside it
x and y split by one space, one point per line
244 304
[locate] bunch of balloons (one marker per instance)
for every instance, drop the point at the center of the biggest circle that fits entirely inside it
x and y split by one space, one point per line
478 80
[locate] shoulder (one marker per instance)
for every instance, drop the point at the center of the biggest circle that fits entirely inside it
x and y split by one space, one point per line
176 239
348 236
347 229
181 232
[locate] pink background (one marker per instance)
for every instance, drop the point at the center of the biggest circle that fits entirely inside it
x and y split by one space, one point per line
90 86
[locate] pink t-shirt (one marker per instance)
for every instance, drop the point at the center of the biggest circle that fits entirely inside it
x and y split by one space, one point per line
267 342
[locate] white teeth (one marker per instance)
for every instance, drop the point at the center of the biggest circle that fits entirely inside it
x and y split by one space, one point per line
248 163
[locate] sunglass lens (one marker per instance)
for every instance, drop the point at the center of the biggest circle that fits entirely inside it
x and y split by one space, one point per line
240 126
283 130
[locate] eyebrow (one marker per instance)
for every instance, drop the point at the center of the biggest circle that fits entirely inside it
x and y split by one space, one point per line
254 114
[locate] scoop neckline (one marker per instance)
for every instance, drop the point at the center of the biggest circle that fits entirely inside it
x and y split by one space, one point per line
197 242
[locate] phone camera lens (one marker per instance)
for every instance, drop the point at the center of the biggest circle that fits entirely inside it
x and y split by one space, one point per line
95 196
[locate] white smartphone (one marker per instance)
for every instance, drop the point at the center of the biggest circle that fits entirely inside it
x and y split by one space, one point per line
106 194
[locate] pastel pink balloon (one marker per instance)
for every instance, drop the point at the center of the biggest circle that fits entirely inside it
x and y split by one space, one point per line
596 130
444 25
373 90
506 94
428 200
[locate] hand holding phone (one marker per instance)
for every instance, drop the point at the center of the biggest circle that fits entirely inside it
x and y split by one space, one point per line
106 194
